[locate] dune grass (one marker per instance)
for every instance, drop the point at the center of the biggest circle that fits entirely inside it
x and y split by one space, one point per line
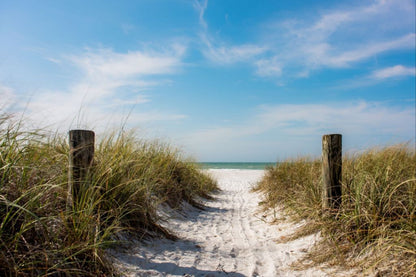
375 228
40 236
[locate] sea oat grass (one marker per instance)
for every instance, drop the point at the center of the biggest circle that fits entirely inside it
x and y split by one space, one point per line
375 228
129 178
288 182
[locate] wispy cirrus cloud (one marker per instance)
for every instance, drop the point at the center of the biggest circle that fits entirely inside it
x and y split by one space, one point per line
269 67
394 71
343 58
377 76
358 118
7 97
340 38
112 86
219 52
201 6
226 54
290 127
120 75
107 63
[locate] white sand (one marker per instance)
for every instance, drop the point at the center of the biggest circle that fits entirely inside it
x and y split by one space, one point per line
229 238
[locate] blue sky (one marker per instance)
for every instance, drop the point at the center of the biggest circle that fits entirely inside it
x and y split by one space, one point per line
223 80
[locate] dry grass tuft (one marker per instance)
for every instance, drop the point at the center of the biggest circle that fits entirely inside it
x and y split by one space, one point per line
375 229
129 179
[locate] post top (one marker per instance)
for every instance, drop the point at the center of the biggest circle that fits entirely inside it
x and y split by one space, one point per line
332 135
80 131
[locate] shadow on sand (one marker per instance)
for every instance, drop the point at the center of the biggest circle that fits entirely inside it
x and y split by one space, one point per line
174 269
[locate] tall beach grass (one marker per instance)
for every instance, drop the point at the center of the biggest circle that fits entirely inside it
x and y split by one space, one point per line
375 228
129 179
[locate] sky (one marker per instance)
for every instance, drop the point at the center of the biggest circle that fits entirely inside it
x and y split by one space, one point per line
235 80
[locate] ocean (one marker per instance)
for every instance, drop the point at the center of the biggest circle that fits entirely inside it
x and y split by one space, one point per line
229 165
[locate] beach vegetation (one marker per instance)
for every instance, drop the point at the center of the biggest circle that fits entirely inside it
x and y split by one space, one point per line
374 230
129 179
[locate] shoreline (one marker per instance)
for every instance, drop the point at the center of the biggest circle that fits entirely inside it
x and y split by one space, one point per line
236 165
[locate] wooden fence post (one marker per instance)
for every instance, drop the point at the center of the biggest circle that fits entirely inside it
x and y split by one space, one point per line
81 154
331 171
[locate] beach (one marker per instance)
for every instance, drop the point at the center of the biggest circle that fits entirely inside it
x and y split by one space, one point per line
230 237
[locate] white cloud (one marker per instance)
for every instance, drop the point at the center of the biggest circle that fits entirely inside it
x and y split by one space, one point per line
362 118
345 58
394 71
269 68
230 54
339 37
127 28
111 89
107 63
53 60
336 38
201 6
157 116
297 128
139 99
7 97
107 72
219 52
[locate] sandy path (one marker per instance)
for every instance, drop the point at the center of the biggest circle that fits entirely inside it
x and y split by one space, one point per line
227 239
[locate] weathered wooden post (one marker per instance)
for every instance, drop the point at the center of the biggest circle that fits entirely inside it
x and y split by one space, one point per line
331 171
81 154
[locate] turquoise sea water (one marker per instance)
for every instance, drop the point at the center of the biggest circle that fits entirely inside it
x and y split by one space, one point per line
235 165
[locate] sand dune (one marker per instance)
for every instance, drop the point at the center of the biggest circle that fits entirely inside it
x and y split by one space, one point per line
229 238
